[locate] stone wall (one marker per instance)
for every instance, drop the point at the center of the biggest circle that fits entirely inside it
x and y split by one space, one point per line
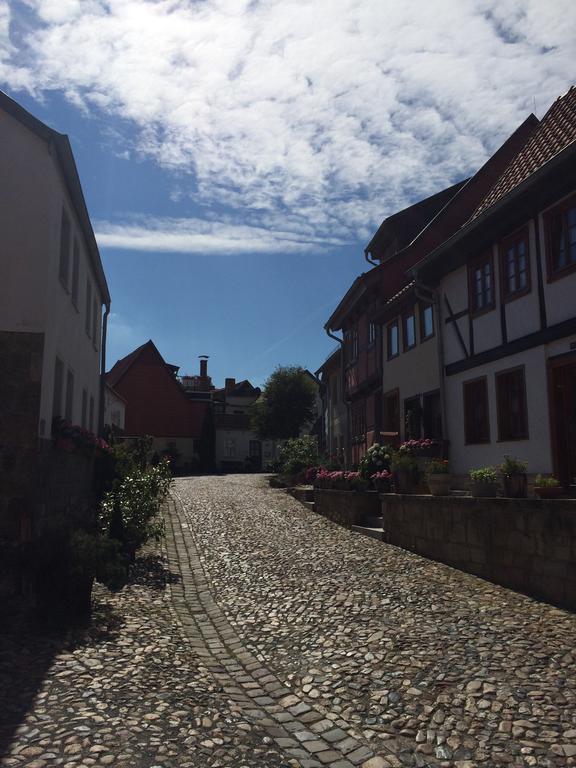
346 508
525 544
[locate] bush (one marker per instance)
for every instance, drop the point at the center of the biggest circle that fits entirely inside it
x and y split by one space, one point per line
130 510
484 475
542 481
376 459
297 454
438 467
511 466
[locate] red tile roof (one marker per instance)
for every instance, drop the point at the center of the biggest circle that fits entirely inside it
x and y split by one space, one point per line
556 131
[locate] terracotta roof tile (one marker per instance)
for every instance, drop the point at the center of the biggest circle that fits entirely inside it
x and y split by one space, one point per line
556 131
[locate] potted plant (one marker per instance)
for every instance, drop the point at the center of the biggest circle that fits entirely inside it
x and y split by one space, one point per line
484 482
355 481
405 471
382 481
376 459
547 487
514 478
438 477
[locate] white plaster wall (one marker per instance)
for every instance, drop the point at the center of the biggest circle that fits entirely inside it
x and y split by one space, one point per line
32 298
454 286
536 450
242 438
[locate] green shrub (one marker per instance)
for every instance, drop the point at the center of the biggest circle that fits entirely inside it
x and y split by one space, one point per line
130 510
376 459
297 454
511 466
484 475
542 481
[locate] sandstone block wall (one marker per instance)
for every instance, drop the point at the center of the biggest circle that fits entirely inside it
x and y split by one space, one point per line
346 508
525 544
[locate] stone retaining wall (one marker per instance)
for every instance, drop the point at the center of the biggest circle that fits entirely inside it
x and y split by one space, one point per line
525 544
346 508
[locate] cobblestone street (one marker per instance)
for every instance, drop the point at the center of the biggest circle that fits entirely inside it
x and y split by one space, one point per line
269 636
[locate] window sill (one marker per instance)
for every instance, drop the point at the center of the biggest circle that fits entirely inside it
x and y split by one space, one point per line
516 295
560 273
474 313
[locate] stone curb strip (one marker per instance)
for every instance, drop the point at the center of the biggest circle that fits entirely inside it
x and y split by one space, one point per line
303 733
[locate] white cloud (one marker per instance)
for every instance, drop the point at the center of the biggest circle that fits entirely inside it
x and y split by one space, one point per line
198 236
327 114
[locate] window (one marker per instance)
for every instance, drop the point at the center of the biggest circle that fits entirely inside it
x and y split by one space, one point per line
372 333
64 249
412 418
58 389
426 321
351 346
432 415
561 238
392 412
230 447
511 405
392 336
476 414
69 410
409 330
255 448
515 266
91 416
84 408
481 285
88 324
358 419
75 272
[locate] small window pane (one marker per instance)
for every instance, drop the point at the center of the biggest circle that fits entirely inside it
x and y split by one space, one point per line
75 273
65 249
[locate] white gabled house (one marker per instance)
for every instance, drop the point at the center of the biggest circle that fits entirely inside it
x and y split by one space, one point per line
52 285
505 283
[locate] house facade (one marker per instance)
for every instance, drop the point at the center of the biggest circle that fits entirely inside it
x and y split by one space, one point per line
157 404
332 439
506 282
52 285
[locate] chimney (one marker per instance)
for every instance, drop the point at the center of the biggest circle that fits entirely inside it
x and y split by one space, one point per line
229 384
203 365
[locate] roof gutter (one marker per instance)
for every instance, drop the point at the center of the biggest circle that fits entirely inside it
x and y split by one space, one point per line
103 370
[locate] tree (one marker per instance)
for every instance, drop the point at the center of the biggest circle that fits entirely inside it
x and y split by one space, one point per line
286 404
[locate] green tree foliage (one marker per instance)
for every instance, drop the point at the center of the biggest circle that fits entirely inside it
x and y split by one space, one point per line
286 404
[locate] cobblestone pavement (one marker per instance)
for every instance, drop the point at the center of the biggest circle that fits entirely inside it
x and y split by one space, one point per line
267 636
361 653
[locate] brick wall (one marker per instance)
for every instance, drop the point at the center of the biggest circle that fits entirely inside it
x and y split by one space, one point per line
525 544
346 508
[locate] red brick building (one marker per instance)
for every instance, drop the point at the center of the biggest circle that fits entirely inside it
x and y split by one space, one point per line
158 405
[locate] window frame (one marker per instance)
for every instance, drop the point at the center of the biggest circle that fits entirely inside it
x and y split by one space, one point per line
467 438
58 388
503 412
421 308
392 324
513 240
75 284
88 316
559 209
486 258
372 333
409 313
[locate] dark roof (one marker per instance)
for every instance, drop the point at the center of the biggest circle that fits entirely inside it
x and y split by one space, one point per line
403 226
121 366
556 131
331 361
241 389
63 152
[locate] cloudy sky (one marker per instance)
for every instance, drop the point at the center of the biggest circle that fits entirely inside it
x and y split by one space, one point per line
237 155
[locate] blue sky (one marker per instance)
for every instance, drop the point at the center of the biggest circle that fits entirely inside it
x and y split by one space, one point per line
237 155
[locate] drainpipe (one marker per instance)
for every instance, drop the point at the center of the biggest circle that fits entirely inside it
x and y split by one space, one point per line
432 296
103 371
368 259
342 389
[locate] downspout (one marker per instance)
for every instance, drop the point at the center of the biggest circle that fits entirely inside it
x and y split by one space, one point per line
432 295
103 371
369 260
342 389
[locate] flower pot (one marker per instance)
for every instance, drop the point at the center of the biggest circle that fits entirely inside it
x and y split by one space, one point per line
548 491
485 490
382 486
515 486
404 481
439 484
